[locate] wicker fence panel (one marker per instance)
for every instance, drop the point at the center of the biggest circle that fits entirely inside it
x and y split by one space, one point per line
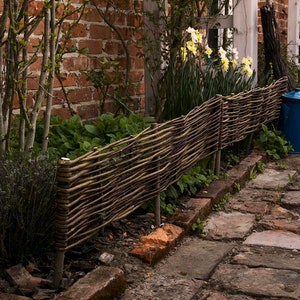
244 113
110 182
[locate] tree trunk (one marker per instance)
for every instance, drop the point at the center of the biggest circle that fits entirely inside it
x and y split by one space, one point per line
273 58
47 117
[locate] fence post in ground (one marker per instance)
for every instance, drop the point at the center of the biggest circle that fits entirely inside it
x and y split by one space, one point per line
218 162
218 153
157 186
59 267
61 217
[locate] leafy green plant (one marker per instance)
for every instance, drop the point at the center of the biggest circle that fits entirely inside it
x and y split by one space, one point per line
71 138
188 185
258 217
273 142
27 190
237 187
260 166
291 179
198 226
253 173
282 166
219 206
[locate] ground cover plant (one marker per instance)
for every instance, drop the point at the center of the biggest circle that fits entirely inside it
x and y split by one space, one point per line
73 137
273 142
27 192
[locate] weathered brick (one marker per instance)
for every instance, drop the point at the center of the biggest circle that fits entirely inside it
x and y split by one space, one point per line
102 283
93 46
100 32
195 208
12 297
75 63
154 246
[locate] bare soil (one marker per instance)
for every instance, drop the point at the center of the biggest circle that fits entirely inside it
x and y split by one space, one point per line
111 247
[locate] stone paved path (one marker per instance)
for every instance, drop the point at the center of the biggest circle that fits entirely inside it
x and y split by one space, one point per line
250 250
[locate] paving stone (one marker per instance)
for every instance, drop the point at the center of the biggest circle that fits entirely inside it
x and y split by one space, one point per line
234 225
289 162
164 287
271 223
250 195
241 204
196 259
213 295
291 199
280 212
258 282
274 238
103 283
295 186
272 179
4 296
270 257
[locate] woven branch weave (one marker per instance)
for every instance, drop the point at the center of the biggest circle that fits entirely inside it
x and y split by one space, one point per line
109 183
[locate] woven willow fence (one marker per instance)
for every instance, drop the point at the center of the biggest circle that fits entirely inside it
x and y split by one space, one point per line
109 183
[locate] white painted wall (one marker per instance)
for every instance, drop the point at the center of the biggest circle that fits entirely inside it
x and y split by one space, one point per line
245 21
293 27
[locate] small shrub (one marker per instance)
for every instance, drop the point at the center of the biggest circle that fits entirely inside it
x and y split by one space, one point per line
274 143
26 207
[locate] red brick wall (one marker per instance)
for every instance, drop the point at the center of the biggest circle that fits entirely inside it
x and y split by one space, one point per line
94 34
281 11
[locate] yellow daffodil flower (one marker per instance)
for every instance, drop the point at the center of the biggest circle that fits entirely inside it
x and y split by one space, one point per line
191 47
248 71
208 51
247 61
198 36
234 62
225 63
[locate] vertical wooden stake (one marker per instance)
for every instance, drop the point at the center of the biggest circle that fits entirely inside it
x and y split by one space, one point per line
213 162
59 267
157 187
157 211
218 163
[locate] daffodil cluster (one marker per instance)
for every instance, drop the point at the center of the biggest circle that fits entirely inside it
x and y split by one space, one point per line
231 57
197 47
197 74
194 45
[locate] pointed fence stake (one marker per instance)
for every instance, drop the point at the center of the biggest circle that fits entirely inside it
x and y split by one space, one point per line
59 267
157 187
